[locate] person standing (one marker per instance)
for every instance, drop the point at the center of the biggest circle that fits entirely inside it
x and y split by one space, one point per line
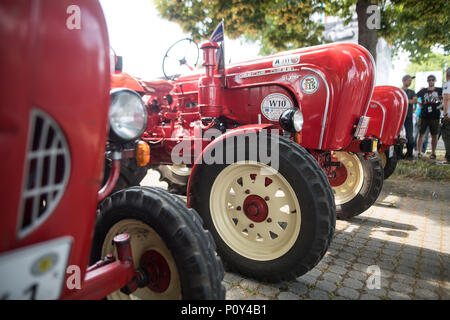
409 129
446 121
429 115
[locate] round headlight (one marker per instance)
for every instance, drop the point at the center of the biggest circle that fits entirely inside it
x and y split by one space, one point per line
292 120
127 115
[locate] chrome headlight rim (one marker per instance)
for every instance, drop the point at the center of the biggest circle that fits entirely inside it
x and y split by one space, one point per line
291 120
115 135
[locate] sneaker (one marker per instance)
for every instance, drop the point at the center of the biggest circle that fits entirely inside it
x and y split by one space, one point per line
433 156
419 156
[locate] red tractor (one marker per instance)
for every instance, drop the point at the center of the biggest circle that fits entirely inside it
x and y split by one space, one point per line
388 111
298 79
139 242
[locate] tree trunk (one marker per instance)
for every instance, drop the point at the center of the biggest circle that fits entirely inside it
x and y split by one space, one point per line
367 35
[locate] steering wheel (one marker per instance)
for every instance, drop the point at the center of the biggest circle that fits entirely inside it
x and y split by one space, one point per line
181 56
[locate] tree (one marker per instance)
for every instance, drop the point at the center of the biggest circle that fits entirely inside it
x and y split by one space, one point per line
415 26
435 61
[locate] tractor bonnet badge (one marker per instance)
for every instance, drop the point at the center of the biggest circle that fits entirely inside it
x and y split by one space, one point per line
286 60
274 104
310 84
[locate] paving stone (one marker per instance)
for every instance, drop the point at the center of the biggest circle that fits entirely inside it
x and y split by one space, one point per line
298 288
426 294
402 278
337 269
236 293
357 275
332 277
256 297
353 283
369 297
288 296
398 295
376 292
343 263
232 278
326 285
249 284
348 293
401 287
318 294
346 256
268 291
307 280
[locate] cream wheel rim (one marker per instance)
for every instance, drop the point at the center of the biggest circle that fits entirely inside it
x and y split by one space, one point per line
354 180
383 159
180 170
260 234
143 239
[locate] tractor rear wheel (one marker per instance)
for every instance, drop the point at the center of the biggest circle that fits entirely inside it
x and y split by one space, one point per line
167 239
357 184
389 163
271 225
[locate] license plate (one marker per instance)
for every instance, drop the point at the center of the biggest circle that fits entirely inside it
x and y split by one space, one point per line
35 272
391 151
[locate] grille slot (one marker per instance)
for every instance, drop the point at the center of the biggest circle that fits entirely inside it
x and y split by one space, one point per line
47 171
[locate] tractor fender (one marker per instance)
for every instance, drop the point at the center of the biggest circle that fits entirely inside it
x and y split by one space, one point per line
230 133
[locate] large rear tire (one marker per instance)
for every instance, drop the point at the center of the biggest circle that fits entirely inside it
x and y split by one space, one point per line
358 183
165 232
389 163
271 226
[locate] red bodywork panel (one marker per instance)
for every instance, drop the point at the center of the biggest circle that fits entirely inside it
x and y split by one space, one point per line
64 73
387 112
342 76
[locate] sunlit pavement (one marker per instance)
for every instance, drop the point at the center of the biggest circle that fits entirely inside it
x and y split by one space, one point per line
406 234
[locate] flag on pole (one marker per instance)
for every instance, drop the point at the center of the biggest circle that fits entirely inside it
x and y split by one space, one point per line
217 35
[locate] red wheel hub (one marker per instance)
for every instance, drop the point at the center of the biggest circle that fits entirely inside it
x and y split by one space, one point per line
158 270
255 208
340 176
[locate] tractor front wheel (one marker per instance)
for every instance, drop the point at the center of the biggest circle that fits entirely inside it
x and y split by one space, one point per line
357 183
271 225
167 240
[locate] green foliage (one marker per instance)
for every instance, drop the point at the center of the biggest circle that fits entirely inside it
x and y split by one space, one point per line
435 61
414 26
417 26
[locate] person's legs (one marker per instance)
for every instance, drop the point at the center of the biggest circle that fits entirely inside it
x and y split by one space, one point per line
426 136
446 137
434 130
409 137
422 128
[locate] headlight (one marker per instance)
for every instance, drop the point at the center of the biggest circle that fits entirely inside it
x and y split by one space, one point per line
292 120
127 115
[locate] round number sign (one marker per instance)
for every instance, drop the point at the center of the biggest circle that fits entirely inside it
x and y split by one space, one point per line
274 104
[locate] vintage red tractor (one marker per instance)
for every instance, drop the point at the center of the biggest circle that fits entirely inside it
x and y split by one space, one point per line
355 174
142 242
265 199
388 111
332 100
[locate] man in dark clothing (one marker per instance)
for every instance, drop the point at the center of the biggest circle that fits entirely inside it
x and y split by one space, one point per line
412 99
430 114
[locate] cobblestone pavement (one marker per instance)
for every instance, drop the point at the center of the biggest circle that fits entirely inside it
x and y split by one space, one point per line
406 233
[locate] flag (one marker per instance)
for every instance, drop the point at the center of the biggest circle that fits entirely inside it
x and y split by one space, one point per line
217 35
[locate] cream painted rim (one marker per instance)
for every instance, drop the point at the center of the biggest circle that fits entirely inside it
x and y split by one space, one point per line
265 240
180 169
143 238
383 159
355 177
